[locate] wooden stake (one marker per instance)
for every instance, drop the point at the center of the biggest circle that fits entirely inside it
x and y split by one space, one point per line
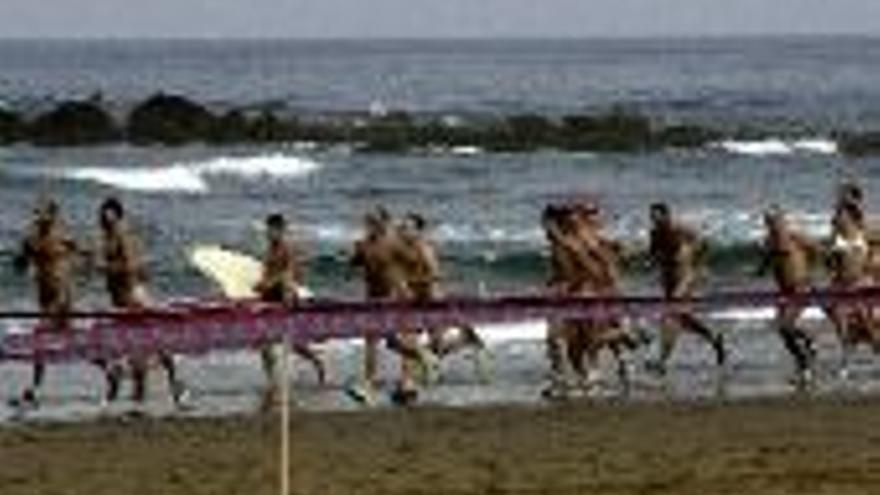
285 415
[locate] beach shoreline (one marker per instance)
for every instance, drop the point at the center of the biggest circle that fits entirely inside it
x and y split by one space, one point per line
772 445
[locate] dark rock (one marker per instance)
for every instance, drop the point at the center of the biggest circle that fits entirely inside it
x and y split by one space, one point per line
860 144
11 127
391 133
74 123
615 131
231 128
396 117
267 127
686 136
171 120
533 130
519 133
439 134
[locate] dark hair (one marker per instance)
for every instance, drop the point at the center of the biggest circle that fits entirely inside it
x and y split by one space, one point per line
555 212
660 207
417 220
113 205
852 191
47 213
854 211
378 217
276 221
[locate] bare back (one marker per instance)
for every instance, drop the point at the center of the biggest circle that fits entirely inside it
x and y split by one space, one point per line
675 249
124 268
381 257
421 268
50 254
282 271
788 254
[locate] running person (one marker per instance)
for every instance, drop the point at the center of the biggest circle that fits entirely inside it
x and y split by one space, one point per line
848 260
789 255
380 257
283 274
851 197
584 263
605 279
562 273
125 277
422 269
675 250
50 253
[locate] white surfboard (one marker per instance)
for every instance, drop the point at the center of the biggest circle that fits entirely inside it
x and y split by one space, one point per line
235 273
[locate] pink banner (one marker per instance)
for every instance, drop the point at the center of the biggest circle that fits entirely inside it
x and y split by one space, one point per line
194 328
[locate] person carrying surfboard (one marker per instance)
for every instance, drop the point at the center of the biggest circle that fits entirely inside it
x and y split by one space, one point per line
283 272
125 276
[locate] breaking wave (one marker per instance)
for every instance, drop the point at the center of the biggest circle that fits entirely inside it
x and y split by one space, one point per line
770 147
194 177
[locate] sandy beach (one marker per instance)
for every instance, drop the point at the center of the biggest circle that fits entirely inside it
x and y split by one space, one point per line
767 446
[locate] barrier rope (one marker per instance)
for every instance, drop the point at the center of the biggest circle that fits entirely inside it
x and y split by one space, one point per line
201 328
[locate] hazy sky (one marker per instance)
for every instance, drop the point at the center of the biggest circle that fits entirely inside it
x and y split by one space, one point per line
432 18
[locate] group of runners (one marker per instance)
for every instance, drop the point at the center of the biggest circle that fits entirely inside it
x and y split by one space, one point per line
398 262
585 262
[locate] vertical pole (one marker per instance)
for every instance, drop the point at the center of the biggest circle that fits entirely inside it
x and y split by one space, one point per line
285 415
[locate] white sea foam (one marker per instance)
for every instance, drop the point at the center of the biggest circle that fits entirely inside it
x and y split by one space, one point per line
15 328
762 314
767 147
193 177
466 150
818 146
537 329
770 147
174 178
503 332
275 165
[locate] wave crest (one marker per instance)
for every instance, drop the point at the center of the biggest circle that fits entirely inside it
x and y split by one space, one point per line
769 147
193 177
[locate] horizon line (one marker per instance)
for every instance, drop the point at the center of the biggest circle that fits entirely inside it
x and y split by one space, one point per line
464 38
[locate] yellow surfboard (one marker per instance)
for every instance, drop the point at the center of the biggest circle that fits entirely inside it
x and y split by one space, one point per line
235 273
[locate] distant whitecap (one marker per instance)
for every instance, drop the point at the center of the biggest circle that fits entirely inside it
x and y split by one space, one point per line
192 177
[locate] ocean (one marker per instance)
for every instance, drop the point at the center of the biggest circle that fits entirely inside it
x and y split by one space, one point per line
483 207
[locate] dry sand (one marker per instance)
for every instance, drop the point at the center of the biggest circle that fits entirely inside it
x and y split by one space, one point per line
755 447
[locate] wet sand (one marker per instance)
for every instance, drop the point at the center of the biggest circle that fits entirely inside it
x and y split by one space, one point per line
765 446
